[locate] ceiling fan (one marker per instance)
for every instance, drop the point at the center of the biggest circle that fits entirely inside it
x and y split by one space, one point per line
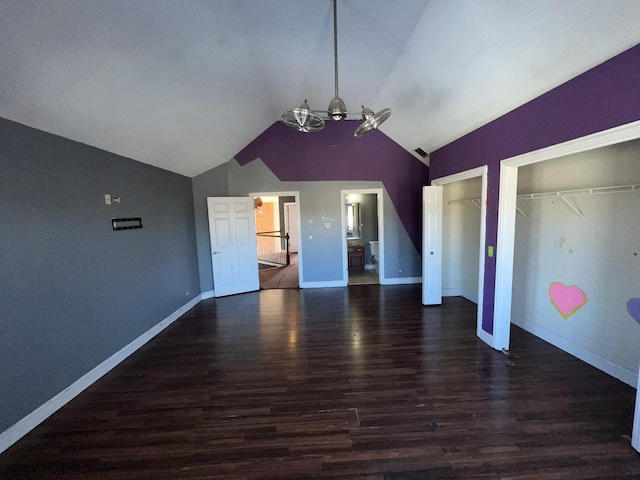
303 119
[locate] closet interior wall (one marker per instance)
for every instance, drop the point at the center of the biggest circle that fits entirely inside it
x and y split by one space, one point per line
581 260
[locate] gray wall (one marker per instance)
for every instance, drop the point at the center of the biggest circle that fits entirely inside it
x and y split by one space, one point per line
321 203
74 292
212 183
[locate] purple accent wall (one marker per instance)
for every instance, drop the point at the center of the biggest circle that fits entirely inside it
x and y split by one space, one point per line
333 154
601 98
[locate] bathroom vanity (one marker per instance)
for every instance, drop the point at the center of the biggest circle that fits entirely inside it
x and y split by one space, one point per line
355 250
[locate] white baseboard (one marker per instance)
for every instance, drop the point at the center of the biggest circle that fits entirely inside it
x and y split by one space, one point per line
342 283
334 283
370 266
40 414
207 295
459 292
400 281
451 292
593 359
485 337
635 438
470 296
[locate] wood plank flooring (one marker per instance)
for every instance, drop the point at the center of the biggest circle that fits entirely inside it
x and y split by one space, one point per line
347 383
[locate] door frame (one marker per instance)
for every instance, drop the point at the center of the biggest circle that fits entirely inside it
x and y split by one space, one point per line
296 195
379 192
286 206
468 174
507 214
507 227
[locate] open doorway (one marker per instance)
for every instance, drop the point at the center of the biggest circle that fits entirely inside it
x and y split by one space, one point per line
504 291
363 233
277 232
580 207
464 224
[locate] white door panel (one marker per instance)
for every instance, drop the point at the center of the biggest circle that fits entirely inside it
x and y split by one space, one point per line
291 225
432 245
222 232
234 258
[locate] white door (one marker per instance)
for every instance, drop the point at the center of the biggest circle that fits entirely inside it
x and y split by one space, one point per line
291 225
232 228
431 245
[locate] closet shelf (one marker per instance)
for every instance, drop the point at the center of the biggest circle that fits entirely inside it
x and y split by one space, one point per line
475 201
561 194
583 191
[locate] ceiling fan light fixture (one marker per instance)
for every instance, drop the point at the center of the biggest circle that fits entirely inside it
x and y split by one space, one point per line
337 108
303 119
371 120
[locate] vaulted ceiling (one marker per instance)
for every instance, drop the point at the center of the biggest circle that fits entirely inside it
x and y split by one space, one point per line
185 85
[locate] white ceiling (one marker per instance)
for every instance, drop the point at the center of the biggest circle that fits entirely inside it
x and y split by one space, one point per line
185 85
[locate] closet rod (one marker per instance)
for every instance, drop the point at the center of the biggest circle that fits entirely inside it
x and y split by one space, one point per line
584 191
563 193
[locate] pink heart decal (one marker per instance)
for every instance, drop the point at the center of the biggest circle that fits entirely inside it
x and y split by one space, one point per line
633 307
567 299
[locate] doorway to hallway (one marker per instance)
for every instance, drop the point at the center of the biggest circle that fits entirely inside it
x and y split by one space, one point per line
278 228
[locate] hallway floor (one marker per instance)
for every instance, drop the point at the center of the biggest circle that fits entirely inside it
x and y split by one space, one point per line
280 277
363 277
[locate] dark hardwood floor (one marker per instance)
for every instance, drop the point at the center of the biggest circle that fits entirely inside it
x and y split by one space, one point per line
346 383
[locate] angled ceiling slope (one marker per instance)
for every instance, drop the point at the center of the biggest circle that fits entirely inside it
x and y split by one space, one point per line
186 85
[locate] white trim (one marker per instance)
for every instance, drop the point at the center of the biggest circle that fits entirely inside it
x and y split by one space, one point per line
400 281
593 359
333 283
635 438
486 337
44 411
459 292
623 133
207 295
504 255
452 292
457 177
469 296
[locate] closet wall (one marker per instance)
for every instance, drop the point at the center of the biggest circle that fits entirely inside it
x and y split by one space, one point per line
461 239
577 280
